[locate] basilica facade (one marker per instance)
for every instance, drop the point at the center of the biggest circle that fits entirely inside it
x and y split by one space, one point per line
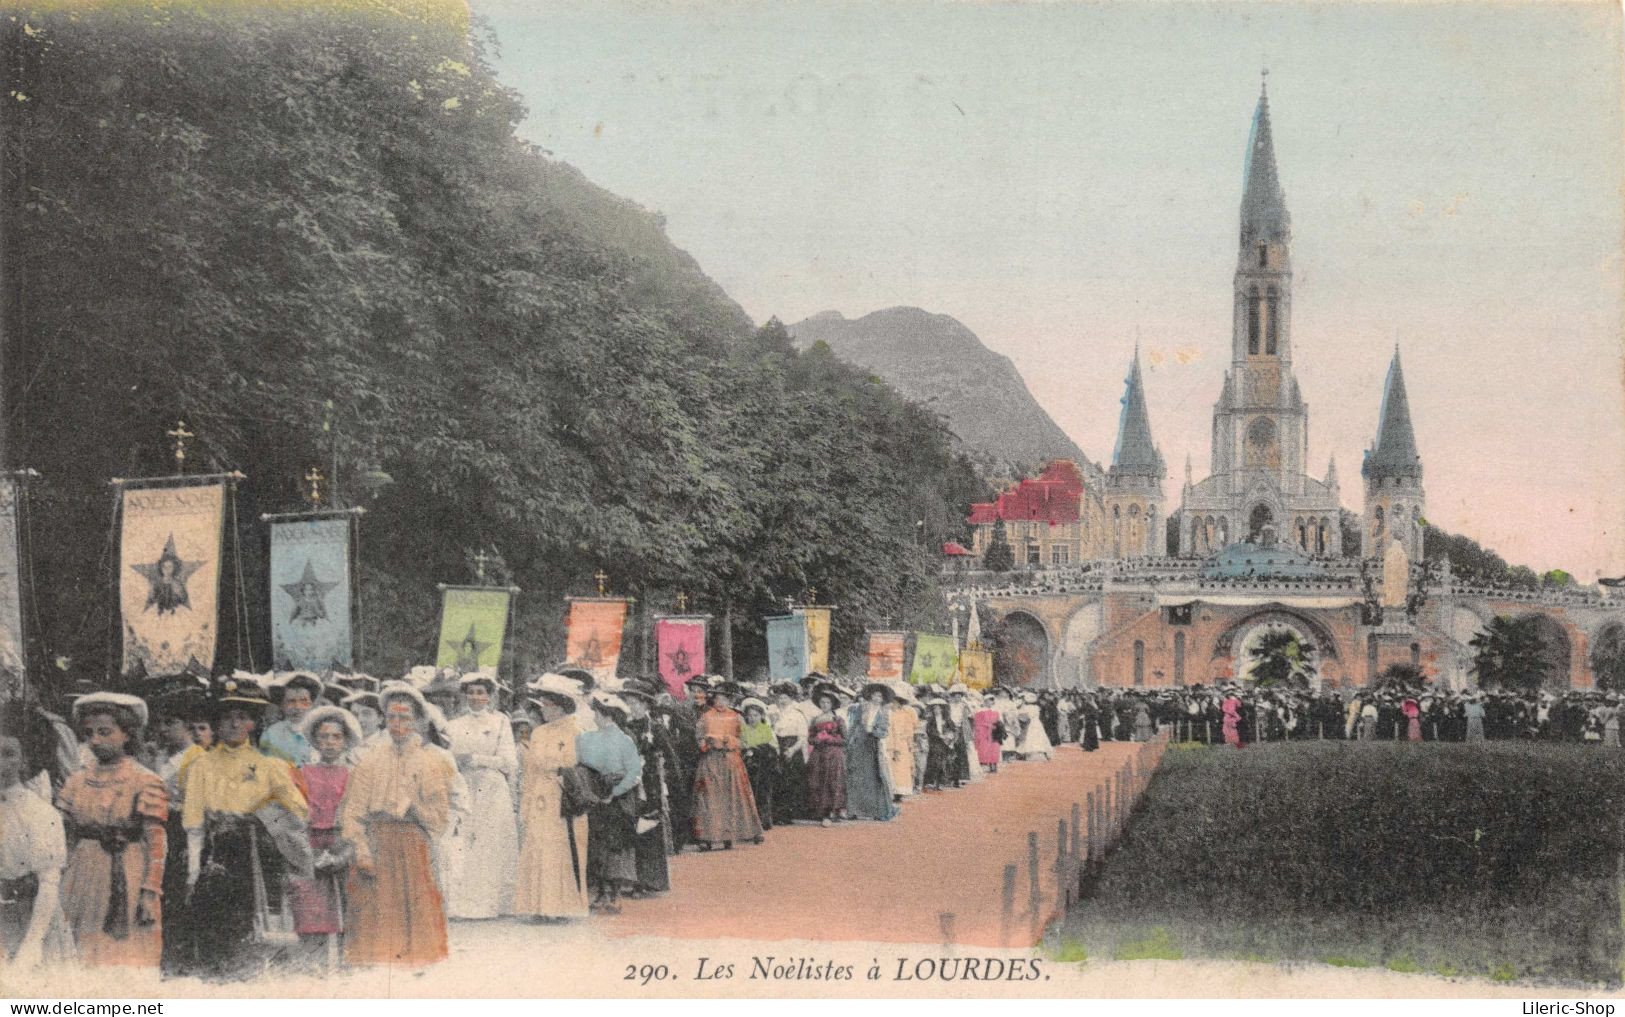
1257 546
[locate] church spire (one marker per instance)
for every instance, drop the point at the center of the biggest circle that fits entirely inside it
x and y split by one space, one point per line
1394 453
1136 455
1264 217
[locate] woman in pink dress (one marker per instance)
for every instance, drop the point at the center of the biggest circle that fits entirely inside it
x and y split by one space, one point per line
987 747
1232 720
318 907
1413 718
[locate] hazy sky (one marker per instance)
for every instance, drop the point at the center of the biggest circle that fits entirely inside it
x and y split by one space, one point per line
1063 177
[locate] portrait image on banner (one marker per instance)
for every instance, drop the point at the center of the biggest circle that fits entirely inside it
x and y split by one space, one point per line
11 614
310 594
787 648
886 652
680 644
169 576
817 619
593 635
976 668
473 624
936 659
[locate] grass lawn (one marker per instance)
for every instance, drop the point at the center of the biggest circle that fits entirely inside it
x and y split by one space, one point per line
1496 860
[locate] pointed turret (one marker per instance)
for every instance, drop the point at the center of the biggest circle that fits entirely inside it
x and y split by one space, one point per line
1135 455
1331 472
1264 217
1394 453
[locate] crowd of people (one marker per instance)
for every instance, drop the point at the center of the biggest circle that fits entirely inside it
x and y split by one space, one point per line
205 827
208 827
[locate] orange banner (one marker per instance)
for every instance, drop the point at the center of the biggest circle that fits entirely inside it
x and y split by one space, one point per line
593 635
886 656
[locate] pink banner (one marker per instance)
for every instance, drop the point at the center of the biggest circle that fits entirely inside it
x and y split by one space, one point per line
680 645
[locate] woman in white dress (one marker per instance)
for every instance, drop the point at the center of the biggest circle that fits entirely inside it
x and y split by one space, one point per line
1035 742
486 846
33 848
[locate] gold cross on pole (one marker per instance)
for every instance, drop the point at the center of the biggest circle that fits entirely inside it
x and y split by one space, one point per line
682 602
314 478
812 595
181 435
481 559
603 582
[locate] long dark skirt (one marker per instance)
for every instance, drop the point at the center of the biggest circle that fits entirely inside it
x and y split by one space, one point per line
826 781
176 941
611 859
790 792
649 852
217 929
762 764
939 761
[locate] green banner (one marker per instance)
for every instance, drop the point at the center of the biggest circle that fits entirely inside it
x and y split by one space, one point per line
936 659
473 622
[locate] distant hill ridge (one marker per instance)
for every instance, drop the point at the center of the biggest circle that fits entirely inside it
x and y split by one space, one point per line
934 359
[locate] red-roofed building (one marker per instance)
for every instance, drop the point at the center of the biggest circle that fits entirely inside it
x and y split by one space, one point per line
1054 518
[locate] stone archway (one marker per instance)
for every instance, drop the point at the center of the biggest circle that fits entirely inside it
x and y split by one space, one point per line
1558 655
1078 643
1236 641
1261 525
1251 636
1021 652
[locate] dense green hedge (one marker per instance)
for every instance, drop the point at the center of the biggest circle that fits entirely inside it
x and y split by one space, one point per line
1497 860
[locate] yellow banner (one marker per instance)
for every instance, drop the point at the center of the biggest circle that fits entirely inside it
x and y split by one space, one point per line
976 668
169 576
473 625
593 635
817 619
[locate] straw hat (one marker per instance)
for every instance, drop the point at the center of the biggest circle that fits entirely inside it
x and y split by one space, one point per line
324 714
134 704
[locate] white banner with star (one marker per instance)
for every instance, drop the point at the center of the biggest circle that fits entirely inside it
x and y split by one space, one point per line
473 624
310 594
11 613
169 576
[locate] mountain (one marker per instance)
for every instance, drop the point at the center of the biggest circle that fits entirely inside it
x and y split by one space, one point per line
935 360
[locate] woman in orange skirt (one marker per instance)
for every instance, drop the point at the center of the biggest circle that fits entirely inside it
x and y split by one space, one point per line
397 800
115 813
724 807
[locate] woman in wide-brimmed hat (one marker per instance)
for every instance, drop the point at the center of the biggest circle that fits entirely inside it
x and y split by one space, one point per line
724 806
868 768
902 724
608 751
826 766
115 812
317 904
551 881
760 748
487 841
397 803
653 839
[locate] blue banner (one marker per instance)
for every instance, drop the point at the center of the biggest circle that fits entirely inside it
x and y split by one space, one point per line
310 594
787 648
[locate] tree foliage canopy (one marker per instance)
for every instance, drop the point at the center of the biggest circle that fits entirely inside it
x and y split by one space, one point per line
313 234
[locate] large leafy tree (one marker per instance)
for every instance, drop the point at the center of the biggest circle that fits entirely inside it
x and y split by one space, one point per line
1282 660
311 232
1510 653
1608 658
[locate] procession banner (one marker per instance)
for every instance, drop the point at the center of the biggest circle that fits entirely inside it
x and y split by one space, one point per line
310 594
473 625
169 576
976 668
817 619
592 636
11 614
886 652
936 659
680 645
787 648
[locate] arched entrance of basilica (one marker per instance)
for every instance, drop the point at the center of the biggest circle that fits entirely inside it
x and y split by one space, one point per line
1021 652
1238 642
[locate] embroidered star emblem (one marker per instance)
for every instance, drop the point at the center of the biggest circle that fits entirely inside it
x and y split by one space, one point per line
927 661
680 664
468 650
167 578
789 657
309 595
